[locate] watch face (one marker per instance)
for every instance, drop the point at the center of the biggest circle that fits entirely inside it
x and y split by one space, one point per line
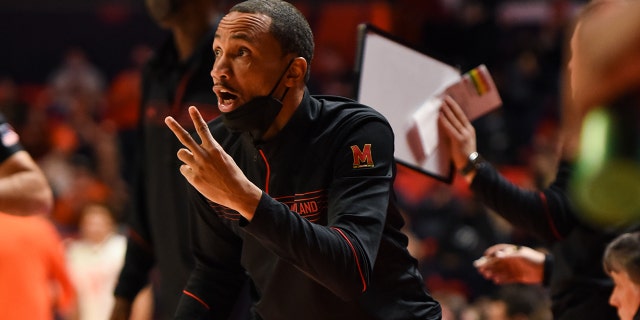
472 163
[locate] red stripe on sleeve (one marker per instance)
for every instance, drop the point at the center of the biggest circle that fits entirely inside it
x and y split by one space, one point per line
355 256
266 184
543 197
196 298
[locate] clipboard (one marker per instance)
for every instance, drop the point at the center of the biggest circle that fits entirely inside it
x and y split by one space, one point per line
407 86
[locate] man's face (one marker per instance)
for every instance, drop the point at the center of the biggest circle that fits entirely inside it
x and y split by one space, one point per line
625 296
248 62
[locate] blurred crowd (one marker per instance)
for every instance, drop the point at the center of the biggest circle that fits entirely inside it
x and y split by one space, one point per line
79 123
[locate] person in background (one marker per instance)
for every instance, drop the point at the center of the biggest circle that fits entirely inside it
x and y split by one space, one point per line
613 54
35 283
34 277
176 77
578 286
621 262
291 191
94 260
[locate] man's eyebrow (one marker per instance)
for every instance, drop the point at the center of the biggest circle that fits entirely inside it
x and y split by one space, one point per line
238 36
242 36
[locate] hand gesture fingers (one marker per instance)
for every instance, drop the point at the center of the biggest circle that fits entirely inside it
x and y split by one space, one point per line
180 133
209 169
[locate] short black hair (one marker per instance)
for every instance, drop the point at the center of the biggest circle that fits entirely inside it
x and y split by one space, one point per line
288 25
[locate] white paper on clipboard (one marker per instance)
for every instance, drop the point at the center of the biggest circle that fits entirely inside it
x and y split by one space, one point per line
407 86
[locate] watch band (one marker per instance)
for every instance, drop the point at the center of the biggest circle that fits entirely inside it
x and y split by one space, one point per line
472 163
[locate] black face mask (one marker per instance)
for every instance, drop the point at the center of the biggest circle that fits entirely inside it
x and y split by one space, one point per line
257 115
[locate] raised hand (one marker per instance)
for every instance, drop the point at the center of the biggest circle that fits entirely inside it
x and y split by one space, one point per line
506 263
457 128
209 169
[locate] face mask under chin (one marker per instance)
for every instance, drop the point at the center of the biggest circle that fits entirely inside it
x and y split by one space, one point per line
257 115
254 117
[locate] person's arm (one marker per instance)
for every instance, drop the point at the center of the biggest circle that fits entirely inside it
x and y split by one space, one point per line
24 189
216 281
547 214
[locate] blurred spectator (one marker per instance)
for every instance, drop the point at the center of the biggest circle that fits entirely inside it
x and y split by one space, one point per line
77 78
83 159
33 273
607 103
622 263
73 179
94 260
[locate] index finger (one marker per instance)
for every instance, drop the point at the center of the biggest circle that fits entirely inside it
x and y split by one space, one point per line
180 133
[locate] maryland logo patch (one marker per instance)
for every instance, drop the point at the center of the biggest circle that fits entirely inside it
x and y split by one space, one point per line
362 158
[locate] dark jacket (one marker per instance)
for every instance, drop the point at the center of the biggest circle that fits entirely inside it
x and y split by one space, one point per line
158 220
325 241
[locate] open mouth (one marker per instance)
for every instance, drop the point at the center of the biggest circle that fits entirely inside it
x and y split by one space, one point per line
226 99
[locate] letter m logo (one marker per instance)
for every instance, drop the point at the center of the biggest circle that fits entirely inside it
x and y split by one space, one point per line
362 158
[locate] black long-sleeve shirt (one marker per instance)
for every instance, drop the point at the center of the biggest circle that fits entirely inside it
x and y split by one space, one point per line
325 240
579 286
158 220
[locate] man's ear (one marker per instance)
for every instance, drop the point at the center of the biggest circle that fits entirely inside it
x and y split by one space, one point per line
297 71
